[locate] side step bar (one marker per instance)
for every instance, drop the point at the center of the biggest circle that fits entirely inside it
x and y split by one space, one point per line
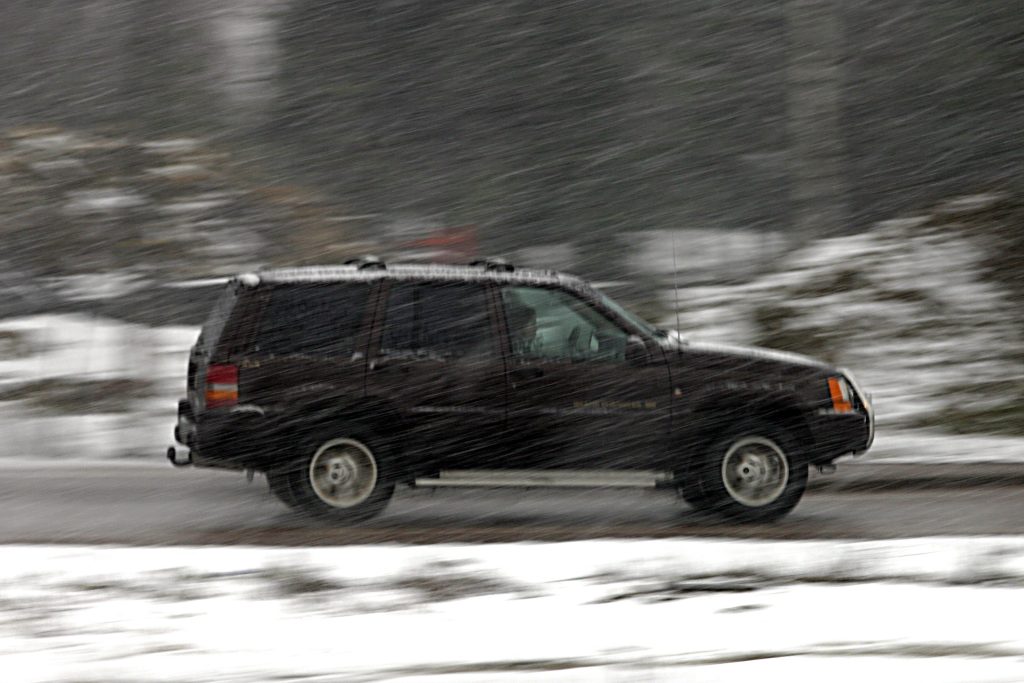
546 479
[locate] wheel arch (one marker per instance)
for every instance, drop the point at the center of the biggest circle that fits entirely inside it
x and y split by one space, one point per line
717 414
374 415
774 420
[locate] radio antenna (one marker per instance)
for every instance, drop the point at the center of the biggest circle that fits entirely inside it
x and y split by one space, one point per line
675 283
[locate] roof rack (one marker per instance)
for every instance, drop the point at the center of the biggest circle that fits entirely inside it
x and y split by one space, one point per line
494 264
367 263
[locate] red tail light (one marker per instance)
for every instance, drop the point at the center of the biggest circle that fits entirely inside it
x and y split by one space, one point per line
221 386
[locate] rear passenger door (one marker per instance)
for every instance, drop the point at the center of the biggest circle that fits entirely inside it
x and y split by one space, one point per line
436 359
308 345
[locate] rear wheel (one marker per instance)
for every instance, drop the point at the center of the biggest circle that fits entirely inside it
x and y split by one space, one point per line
280 485
693 494
343 475
752 473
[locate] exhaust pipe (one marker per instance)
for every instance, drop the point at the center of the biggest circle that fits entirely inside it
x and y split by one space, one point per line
172 456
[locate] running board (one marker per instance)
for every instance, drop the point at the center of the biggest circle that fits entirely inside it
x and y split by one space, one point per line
546 478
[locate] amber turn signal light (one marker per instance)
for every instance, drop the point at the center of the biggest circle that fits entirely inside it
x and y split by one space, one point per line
840 393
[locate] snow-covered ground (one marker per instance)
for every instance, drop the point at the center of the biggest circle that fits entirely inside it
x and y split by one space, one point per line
645 610
90 387
932 448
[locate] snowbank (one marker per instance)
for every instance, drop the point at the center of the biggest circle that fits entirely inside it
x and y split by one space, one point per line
586 611
912 307
89 387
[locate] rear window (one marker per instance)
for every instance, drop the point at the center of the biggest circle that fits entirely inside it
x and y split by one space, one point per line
312 319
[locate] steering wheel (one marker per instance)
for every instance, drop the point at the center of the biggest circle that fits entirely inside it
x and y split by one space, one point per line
573 342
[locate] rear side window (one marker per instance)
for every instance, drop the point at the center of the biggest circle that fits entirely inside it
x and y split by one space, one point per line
447 320
218 317
312 319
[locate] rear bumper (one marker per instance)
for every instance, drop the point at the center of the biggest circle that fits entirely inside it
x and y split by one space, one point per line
185 429
239 438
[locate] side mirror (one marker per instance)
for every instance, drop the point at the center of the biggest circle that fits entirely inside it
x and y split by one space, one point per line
636 350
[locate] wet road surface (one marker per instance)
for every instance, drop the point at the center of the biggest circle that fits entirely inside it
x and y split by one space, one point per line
154 505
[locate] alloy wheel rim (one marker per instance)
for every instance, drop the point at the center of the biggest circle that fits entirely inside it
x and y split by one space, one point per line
343 473
755 471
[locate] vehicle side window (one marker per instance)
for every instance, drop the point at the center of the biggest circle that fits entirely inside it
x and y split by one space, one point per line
551 324
320 320
209 335
440 320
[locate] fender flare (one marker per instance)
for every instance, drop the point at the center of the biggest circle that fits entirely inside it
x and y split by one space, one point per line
718 408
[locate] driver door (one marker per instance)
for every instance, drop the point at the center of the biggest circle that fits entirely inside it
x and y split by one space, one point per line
575 400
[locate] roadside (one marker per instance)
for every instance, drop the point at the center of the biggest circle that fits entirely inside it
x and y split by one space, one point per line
900 461
927 460
872 475
851 475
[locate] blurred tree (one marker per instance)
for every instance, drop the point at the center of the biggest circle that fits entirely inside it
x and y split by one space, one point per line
540 121
164 63
136 64
504 113
932 101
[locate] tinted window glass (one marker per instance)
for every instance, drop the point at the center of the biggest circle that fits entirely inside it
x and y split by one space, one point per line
312 319
436 319
217 318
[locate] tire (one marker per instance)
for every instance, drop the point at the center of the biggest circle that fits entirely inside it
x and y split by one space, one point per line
752 473
343 474
693 494
280 485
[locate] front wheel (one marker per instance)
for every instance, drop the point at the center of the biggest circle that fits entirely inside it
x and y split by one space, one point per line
753 473
341 477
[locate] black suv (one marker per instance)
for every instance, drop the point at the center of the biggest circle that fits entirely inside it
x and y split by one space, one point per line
341 382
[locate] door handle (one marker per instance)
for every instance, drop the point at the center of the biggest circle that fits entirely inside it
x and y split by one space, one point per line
383 363
523 374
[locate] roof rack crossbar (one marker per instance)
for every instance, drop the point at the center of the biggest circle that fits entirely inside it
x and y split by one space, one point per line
367 262
494 264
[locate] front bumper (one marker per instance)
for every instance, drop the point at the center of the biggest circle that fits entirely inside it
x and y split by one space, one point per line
844 433
866 406
838 434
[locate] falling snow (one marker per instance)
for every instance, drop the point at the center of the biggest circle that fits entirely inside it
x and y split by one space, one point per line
839 181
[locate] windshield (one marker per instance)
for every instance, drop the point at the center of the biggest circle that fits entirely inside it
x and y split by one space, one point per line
624 312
